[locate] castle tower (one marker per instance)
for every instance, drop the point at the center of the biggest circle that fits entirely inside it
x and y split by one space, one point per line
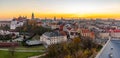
32 16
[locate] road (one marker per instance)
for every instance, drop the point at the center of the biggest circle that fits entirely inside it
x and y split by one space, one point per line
115 44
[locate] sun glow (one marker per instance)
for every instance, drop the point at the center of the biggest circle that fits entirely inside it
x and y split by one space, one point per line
61 8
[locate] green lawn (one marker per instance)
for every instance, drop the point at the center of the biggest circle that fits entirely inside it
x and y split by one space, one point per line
40 47
6 54
30 48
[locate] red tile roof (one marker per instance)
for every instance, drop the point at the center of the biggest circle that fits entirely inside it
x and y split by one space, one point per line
117 30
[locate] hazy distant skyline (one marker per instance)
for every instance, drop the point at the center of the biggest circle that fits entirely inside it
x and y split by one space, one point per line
60 8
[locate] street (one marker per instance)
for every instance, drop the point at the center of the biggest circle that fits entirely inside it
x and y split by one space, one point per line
115 45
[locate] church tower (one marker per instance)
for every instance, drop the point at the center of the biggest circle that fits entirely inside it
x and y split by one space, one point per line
32 16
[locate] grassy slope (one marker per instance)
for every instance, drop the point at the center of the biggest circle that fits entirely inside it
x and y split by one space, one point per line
6 54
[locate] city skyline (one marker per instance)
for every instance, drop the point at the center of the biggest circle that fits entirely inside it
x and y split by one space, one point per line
60 8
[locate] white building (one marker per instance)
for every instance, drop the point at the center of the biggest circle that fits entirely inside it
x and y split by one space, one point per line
104 35
112 33
115 33
54 26
72 32
49 38
15 23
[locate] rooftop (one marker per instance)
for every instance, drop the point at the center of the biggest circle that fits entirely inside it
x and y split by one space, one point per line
52 34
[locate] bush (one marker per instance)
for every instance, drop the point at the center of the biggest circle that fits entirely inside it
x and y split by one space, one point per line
5 37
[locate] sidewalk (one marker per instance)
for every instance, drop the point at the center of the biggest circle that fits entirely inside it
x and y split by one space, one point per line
23 50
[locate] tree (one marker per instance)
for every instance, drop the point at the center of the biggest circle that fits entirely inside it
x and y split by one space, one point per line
76 42
68 56
77 48
33 29
87 43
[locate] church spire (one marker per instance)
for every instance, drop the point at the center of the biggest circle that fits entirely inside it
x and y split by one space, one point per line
32 16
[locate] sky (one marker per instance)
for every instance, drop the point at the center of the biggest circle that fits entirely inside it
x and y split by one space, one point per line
60 8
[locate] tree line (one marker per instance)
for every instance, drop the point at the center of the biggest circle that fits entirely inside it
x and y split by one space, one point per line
77 48
32 27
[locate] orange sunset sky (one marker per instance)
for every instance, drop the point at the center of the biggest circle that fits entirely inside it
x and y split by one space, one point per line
60 8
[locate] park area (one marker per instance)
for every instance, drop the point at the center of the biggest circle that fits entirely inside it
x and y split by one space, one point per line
22 52
7 54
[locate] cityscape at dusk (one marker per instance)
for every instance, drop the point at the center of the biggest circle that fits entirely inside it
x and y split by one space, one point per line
60 8
59 28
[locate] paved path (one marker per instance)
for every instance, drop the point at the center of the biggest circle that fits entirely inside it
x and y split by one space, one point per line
23 50
38 56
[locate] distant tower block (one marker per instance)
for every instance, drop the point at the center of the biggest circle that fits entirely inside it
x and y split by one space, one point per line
32 16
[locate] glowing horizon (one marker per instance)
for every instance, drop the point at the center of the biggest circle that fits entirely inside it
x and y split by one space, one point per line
60 8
